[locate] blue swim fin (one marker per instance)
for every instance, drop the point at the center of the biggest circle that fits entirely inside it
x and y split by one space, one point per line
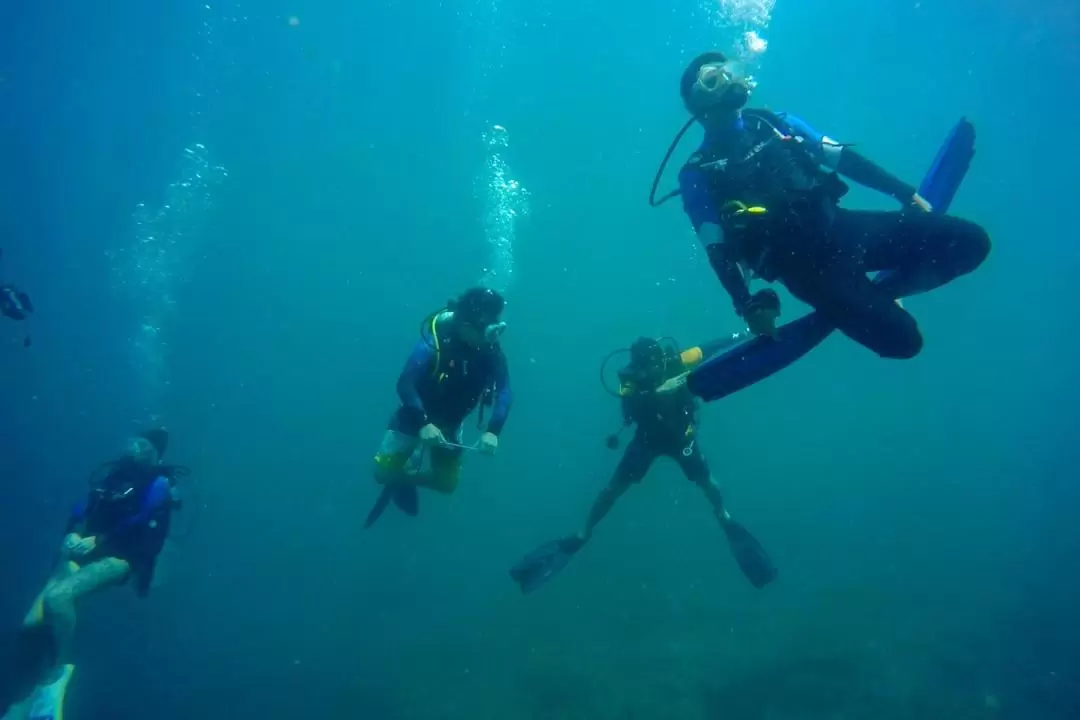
48 700
949 168
758 358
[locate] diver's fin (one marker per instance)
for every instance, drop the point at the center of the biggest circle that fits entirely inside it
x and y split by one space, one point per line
36 653
30 655
24 300
407 499
945 175
751 557
379 507
545 562
48 700
757 359
939 186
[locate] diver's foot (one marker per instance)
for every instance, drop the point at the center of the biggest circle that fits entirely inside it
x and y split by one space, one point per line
575 542
52 676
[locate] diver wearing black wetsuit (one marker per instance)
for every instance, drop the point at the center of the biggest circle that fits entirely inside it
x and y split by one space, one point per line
655 399
762 193
665 425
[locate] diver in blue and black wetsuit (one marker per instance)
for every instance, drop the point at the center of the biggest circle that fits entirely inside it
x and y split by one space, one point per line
115 535
762 193
456 367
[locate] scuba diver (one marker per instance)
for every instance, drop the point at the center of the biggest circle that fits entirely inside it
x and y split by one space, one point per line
15 304
655 399
115 535
763 191
456 367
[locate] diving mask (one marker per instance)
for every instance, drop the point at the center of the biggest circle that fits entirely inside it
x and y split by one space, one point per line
142 452
722 84
491 332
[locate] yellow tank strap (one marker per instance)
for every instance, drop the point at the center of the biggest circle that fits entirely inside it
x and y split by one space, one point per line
435 341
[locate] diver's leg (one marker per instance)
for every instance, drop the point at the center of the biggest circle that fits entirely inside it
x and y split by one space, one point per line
635 463
445 468
392 461
751 557
696 469
920 251
60 596
863 311
36 614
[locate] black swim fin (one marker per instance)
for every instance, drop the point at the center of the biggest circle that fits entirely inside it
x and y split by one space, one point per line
754 562
407 499
379 507
545 562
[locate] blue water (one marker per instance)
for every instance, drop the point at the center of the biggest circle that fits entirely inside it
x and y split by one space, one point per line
232 219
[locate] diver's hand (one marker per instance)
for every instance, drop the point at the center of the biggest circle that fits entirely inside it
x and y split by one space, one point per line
431 435
84 546
488 443
920 203
761 313
672 385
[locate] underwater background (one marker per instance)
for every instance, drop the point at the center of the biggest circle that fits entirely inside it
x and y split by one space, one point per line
233 217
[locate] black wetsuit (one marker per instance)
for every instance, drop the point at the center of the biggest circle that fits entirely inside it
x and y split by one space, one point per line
820 252
666 427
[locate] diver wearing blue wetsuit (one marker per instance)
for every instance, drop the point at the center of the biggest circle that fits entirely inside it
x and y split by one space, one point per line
456 367
762 193
115 535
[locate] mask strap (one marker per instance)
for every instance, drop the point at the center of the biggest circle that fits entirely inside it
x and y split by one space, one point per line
663 164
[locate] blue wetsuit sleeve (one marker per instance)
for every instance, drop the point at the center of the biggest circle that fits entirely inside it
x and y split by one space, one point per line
825 151
846 161
158 497
416 368
504 398
697 199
